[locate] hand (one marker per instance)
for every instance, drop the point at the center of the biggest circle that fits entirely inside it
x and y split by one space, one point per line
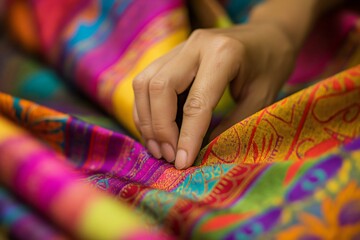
255 59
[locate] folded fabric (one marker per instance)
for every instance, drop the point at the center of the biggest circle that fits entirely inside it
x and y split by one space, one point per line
49 184
296 173
22 223
100 46
290 171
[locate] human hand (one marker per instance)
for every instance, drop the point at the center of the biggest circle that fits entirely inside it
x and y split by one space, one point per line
255 59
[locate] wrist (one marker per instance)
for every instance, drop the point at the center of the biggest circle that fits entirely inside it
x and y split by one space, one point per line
294 18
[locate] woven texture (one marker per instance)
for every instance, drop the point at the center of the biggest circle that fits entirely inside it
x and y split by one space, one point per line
71 167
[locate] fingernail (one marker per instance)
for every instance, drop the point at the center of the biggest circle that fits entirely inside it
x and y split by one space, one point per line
168 152
181 159
154 148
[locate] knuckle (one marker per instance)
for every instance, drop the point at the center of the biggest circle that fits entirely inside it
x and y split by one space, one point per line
145 123
224 44
157 86
140 83
198 33
195 105
145 128
187 136
159 129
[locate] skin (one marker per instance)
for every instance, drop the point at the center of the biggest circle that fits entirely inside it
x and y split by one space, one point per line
254 58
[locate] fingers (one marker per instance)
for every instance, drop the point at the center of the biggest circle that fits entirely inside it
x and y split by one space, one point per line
164 88
163 100
156 90
212 78
142 111
151 144
214 63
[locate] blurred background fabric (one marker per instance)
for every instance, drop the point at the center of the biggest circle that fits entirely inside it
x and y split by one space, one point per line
71 165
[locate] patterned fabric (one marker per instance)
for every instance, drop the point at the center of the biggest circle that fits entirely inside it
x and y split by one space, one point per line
45 180
290 171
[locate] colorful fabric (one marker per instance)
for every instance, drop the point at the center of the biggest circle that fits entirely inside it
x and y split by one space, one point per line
22 223
290 171
49 183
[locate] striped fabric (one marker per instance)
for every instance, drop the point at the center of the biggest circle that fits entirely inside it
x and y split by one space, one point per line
68 170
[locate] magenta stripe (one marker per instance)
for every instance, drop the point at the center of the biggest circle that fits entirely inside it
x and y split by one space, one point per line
48 183
40 175
89 67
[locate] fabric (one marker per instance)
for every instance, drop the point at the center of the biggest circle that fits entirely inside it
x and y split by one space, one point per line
21 222
67 170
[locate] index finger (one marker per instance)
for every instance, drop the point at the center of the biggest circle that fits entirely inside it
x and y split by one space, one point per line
216 70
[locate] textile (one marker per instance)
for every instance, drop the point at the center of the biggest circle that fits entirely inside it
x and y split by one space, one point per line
67 170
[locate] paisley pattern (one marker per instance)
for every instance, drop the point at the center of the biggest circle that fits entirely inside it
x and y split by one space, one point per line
68 170
216 199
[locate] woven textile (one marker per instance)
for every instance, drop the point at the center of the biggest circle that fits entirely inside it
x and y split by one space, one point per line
68 170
